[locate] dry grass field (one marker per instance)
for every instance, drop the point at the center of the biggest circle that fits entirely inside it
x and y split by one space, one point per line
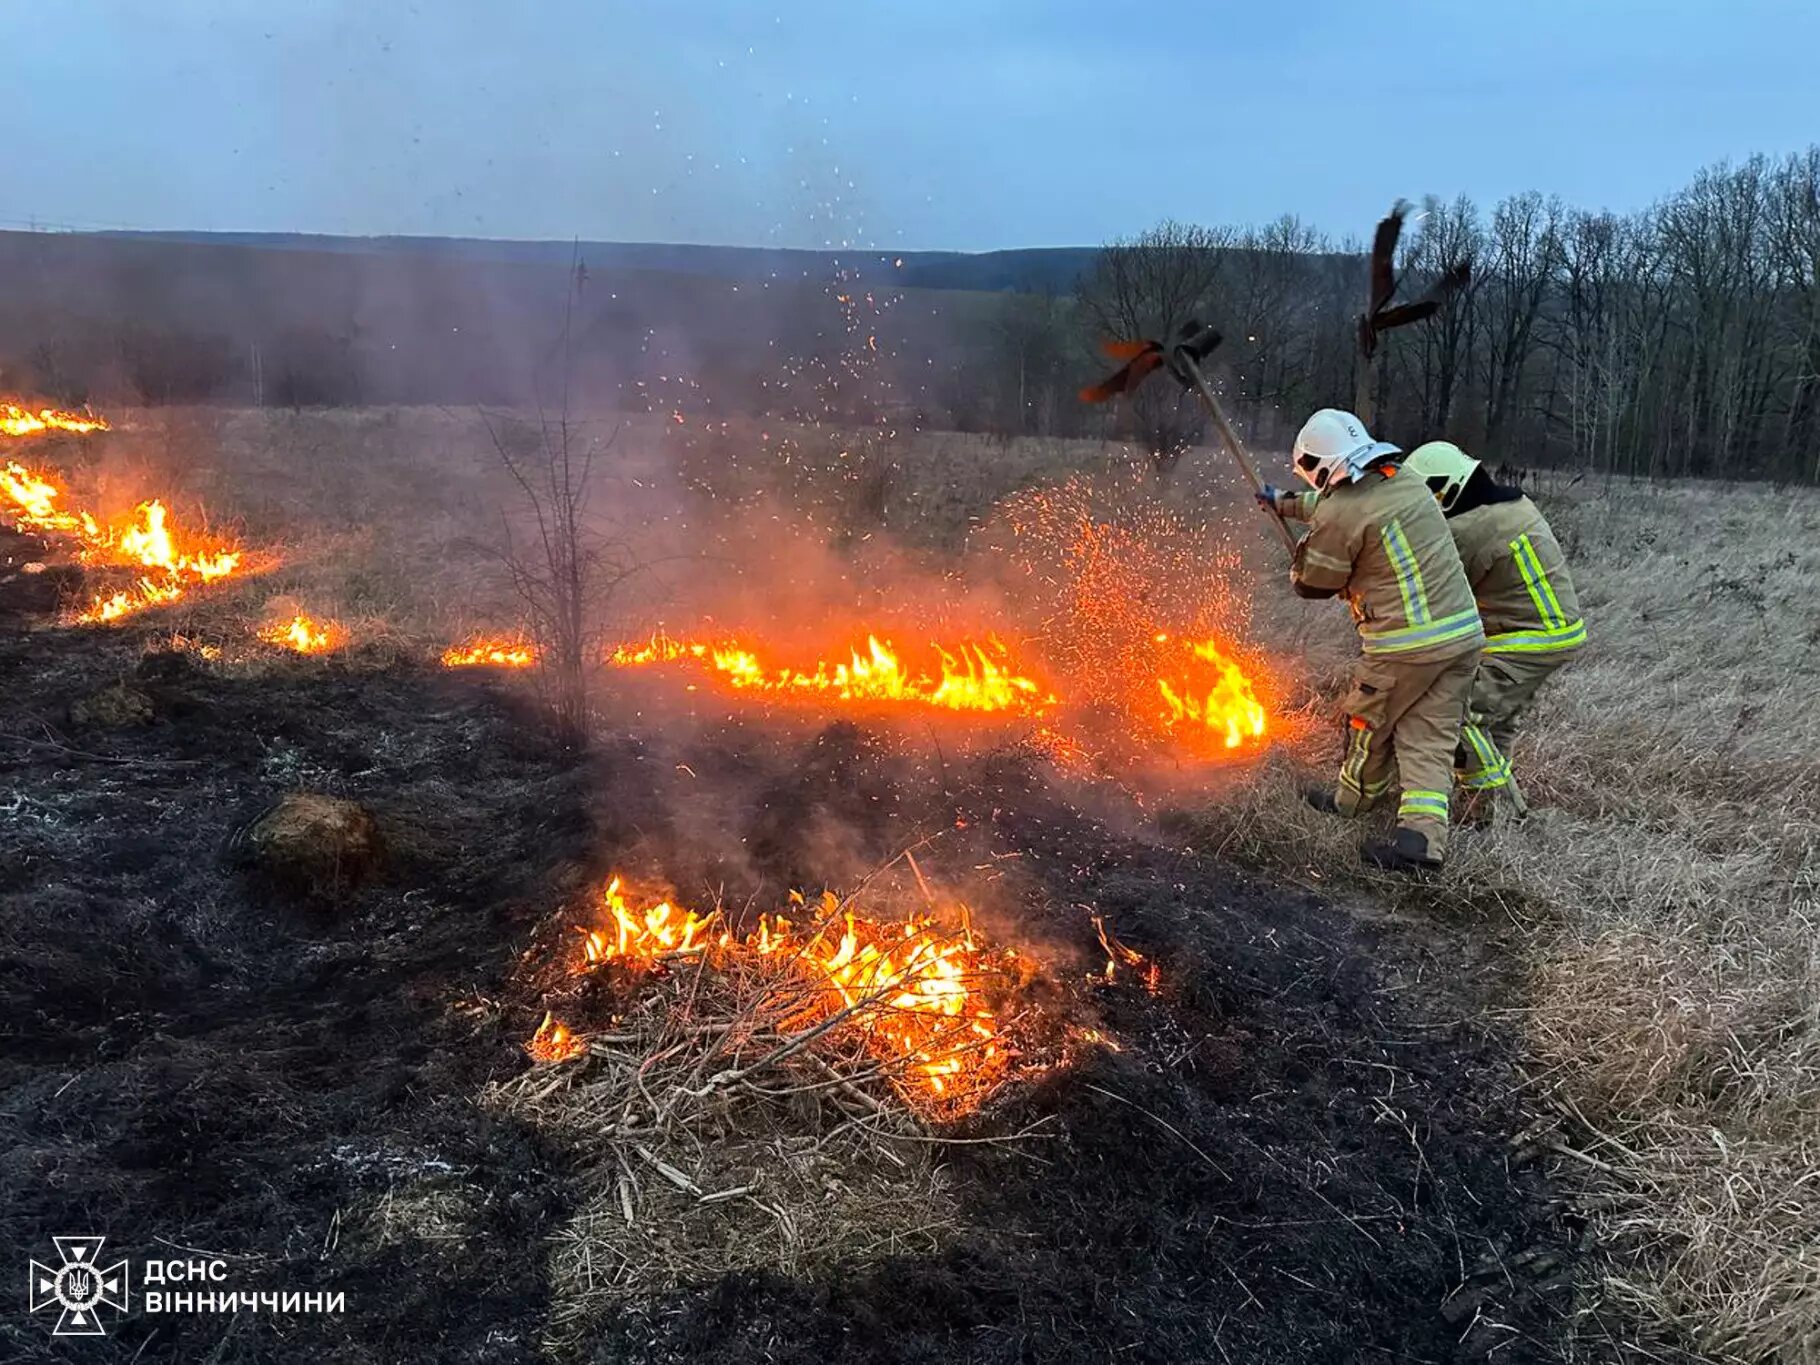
1662 904
1658 915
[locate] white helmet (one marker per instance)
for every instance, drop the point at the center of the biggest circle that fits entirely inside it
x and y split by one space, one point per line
1444 467
1333 446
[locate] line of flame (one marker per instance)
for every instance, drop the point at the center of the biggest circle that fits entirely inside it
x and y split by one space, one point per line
970 676
18 421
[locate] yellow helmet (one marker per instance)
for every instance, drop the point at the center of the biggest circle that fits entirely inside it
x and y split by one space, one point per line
1444 467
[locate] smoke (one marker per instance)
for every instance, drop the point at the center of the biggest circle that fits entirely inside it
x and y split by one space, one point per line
750 417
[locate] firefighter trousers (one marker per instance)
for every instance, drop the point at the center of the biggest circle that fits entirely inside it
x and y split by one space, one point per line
1501 692
1404 720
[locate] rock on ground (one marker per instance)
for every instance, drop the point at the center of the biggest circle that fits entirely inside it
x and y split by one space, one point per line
112 708
321 844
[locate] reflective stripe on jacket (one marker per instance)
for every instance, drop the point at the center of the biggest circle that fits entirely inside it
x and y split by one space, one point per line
1382 543
1520 579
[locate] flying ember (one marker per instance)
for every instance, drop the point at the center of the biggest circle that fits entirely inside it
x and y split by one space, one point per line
972 676
912 989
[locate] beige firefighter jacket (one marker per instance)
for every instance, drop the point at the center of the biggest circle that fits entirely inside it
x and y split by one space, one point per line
1519 576
1381 543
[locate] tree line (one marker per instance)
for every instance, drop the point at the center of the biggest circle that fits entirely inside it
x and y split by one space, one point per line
1683 339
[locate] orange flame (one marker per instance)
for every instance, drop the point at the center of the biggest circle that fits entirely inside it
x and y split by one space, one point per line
661 929
911 985
973 676
1212 692
553 1042
920 979
493 653
145 593
146 541
304 635
18 421
34 503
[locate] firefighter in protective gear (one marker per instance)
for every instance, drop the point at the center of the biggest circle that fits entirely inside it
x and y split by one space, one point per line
1378 540
1526 600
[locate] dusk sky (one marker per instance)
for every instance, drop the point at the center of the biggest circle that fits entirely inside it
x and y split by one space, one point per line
927 124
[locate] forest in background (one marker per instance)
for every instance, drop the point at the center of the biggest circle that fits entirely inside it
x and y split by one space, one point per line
1681 340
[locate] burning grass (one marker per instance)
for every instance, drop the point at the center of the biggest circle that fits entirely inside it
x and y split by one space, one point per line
488 652
1206 694
1139 613
16 421
978 676
167 559
305 635
827 1157
1191 695
795 1163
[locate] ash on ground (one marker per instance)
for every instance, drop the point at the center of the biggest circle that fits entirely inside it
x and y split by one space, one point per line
1299 1150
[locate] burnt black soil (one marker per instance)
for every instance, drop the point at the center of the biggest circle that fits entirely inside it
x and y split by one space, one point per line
1300 1153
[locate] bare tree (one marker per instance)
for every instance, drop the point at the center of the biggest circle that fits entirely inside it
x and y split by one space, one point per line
1795 233
1268 302
1516 273
1032 364
1448 233
1148 287
562 566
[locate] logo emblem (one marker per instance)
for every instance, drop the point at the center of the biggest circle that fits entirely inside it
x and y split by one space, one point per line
80 1286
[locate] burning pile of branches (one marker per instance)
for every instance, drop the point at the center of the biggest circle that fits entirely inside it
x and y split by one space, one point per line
976 676
167 561
918 996
759 1098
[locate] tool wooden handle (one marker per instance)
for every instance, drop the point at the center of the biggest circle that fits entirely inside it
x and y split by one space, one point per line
1231 438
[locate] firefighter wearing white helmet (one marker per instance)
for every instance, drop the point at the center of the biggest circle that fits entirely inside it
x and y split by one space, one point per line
1526 599
1378 540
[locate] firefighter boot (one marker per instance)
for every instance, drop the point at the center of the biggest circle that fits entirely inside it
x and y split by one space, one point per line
1321 798
1408 852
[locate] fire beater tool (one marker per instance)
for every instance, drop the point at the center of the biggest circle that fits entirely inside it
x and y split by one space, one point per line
1381 315
1194 342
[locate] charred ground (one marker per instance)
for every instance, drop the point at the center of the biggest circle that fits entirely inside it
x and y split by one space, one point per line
1302 1151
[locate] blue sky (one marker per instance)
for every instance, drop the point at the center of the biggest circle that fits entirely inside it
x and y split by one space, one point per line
921 123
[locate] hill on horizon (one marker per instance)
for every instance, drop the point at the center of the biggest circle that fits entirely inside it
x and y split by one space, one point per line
299 320
1023 270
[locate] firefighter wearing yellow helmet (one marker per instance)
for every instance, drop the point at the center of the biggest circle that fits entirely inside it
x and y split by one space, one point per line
1525 595
1378 540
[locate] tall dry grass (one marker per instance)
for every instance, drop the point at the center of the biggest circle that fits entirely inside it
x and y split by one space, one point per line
1676 985
1662 904
1663 901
